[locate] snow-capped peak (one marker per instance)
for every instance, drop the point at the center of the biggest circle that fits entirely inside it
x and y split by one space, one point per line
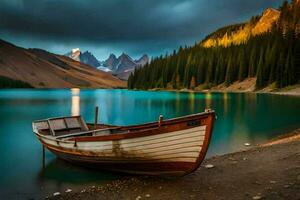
75 50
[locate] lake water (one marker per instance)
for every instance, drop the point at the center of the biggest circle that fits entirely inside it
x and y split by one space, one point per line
252 118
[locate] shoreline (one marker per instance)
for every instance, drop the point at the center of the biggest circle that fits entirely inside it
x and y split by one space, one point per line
266 171
246 86
286 93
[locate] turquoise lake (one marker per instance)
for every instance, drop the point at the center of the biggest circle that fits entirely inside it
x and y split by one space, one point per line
241 118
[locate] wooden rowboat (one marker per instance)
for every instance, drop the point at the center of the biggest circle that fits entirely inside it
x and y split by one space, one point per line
166 147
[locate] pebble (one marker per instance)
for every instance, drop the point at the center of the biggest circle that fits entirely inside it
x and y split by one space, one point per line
273 182
286 186
138 198
68 190
147 195
56 193
245 159
247 144
257 183
256 197
231 158
209 166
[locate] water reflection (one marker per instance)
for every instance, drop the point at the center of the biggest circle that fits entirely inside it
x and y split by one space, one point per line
192 101
208 100
75 101
225 100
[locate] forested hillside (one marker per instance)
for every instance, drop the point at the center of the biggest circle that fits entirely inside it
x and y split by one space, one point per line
272 57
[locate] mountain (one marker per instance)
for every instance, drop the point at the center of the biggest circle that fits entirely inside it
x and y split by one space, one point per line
89 59
287 18
240 33
124 65
85 57
125 62
264 50
74 54
266 21
121 67
111 62
42 69
143 60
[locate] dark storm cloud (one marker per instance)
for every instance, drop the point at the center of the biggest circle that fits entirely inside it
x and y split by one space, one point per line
166 23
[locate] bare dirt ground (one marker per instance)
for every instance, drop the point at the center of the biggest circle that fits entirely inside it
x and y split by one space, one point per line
248 85
294 91
245 86
269 171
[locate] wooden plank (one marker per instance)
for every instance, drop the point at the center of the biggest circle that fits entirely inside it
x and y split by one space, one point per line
170 145
83 124
41 125
164 141
58 124
72 122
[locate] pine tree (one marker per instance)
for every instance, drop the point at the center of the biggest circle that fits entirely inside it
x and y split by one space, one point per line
242 66
252 63
229 73
260 72
193 83
279 73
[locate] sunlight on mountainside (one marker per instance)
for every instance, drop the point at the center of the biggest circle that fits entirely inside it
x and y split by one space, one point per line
242 35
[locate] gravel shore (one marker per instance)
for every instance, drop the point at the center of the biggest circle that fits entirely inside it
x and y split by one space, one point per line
264 172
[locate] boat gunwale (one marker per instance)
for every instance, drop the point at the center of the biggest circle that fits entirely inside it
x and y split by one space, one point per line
134 125
137 133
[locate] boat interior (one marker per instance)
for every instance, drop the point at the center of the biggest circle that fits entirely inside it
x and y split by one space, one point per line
65 127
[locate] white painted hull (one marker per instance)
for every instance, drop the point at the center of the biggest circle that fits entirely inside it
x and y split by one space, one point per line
177 146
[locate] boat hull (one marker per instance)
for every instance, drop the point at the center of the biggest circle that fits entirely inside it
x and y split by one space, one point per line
130 166
177 148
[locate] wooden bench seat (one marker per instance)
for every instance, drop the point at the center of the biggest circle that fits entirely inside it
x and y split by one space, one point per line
67 125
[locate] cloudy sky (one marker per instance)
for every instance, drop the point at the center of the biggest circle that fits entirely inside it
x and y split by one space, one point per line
115 26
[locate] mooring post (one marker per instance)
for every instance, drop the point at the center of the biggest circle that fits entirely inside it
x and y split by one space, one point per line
207 110
161 118
43 157
96 117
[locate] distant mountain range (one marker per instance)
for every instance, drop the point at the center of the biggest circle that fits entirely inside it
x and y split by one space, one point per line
121 66
42 69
